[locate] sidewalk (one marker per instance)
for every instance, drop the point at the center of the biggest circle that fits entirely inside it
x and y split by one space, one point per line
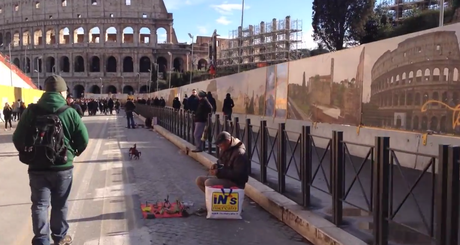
163 170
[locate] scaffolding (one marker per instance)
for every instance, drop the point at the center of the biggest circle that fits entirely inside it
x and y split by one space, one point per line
401 9
269 42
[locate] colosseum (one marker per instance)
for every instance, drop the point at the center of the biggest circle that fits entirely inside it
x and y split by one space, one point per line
97 46
422 69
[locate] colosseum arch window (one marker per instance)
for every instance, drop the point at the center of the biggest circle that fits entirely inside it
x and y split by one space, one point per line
26 66
435 96
64 37
145 63
397 79
162 35
93 2
202 64
409 99
95 89
436 74
79 64
144 35
17 63
79 35
111 64
443 124
1 37
38 37
128 2
26 38
444 98
395 100
455 98
128 89
64 64
128 35
64 3
425 98
178 64
427 75
50 65
424 123
446 74
128 64
50 36
38 64
415 124
411 77
419 76
95 64
111 35
94 35
111 89
402 100
8 38
16 39
434 123
78 90
417 99
16 7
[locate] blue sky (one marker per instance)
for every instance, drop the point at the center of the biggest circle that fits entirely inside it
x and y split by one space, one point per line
201 17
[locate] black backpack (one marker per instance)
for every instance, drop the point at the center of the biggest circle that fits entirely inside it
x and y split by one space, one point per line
44 144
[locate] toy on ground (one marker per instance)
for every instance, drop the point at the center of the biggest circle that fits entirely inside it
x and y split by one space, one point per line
134 153
164 209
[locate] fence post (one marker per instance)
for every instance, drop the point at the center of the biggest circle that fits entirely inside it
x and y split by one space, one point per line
305 165
453 188
337 177
187 119
248 143
209 134
193 127
441 195
281 157
181 122
217 130
227 125
236 128
381 189
263 151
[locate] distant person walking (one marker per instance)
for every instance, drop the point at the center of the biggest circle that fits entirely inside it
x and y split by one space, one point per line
8 115
227 108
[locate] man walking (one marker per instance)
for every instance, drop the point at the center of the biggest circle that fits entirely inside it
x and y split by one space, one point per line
50 124
202 112
129 108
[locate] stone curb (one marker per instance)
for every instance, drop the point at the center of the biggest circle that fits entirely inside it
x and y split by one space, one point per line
314 228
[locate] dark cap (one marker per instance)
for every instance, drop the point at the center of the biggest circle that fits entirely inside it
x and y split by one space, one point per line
202 94
69 96
222 137
55 83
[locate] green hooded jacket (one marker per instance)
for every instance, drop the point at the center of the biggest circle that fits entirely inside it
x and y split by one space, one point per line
75 132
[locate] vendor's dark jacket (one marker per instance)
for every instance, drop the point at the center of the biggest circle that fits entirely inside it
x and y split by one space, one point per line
235 164
203 110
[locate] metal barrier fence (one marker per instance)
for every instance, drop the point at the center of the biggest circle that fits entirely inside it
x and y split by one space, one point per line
283 159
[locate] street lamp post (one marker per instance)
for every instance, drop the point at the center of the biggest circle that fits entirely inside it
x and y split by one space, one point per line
441 13
170 68
102 86
53 69
139 82
122 84
191 58
157 68
240 43
38 80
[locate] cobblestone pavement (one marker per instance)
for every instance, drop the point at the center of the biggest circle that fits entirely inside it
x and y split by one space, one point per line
164 170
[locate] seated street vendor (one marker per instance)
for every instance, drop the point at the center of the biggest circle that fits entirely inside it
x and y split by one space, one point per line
232 167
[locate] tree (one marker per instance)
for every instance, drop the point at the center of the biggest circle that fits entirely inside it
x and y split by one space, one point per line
337 23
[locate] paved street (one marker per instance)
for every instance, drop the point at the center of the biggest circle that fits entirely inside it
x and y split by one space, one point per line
108 189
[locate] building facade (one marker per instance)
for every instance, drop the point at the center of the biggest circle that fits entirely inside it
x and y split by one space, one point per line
98 46
414 85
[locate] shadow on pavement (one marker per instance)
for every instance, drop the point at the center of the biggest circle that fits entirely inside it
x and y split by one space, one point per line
109 216
8 154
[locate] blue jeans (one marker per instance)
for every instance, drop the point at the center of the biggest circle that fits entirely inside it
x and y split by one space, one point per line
49 187
130 118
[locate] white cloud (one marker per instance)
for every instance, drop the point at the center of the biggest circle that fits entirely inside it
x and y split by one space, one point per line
307 40
223 20
228 8
176 4
202 30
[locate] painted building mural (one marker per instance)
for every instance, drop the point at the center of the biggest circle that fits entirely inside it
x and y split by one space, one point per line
409 82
